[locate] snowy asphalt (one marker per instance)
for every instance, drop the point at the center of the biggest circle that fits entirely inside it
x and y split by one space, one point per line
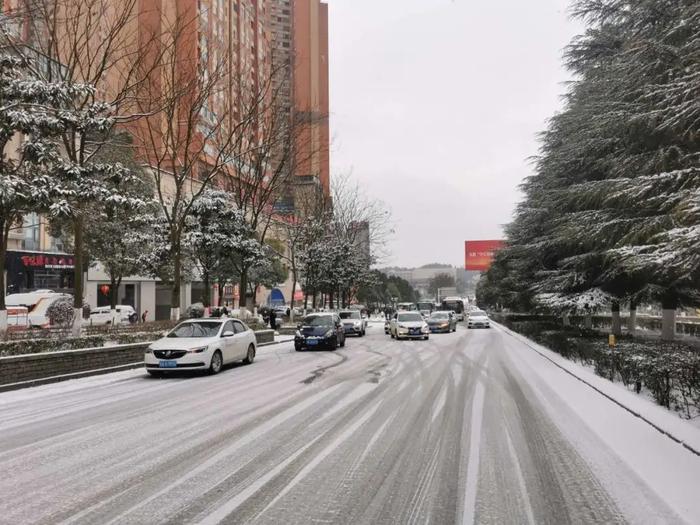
464 428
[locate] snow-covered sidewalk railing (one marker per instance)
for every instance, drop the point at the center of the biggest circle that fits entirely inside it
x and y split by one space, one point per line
659 418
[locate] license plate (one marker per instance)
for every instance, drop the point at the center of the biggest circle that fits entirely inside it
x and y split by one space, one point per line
167 364
312 342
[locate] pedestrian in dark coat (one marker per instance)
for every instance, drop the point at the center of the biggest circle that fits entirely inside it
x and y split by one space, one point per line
273 319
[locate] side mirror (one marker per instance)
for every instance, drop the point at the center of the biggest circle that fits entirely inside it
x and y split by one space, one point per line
228 333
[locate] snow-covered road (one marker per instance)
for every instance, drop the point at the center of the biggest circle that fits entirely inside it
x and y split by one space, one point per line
467 427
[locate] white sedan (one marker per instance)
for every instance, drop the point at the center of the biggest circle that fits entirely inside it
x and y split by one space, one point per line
409 325
201 344
478 319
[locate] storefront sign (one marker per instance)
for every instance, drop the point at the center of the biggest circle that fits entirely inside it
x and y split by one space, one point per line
60 262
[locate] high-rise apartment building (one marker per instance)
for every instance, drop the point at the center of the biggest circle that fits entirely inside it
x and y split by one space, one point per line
299 40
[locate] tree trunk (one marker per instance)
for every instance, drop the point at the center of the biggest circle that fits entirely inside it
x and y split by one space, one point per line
206 299
331 302
177 282
291 302
113 298
78 230
632 320
243 289
668 318
616 321
5 227
588 321
566 321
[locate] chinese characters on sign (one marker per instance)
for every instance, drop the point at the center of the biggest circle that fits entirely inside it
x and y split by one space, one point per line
478 255
47 261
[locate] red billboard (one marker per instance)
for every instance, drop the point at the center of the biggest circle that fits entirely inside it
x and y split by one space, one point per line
479 254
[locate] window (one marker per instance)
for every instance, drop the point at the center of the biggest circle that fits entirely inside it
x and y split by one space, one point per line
240 327
31 225
228 327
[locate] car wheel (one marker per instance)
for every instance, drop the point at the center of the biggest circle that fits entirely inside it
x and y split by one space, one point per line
155 373
250 356
217 362
426 337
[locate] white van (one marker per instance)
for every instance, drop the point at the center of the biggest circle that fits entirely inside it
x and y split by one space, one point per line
102 315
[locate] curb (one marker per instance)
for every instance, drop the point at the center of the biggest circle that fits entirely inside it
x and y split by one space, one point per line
656 427
66 377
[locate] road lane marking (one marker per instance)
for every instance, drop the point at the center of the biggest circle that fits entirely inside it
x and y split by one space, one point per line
354 395
439 403
222 512
519 476
253 435
469 506
322 455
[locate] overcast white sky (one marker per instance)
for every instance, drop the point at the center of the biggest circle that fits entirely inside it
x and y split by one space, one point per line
435 105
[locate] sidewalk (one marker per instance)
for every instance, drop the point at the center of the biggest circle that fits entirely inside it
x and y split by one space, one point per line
668 423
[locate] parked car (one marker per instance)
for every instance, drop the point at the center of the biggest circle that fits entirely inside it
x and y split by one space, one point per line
201 344
320 330
353 322
478 319
409 325
442 322
102 315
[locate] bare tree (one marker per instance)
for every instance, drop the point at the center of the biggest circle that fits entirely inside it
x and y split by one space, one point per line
268 150
363 221
298 229
187 132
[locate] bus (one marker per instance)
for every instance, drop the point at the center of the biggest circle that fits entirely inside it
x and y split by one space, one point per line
425 307
406 307
456 304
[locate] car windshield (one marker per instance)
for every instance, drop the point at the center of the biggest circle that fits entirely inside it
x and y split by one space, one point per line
410 317
440 315
204 329
318 320
477 313
350 315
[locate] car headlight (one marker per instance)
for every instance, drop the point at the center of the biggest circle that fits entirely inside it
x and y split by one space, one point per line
149 350
197 350
444 325
358 324
401 326
329 333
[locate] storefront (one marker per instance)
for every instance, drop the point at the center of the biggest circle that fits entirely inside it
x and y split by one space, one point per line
27 271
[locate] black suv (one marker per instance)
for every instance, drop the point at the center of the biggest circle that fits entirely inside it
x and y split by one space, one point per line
322 330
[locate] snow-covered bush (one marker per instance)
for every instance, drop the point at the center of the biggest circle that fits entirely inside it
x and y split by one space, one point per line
195 311
60 312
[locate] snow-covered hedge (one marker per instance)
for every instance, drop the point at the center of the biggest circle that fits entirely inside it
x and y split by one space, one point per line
37 346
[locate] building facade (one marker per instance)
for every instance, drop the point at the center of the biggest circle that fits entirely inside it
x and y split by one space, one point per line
241 36
299 48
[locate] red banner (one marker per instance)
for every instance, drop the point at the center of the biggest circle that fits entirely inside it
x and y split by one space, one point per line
478 255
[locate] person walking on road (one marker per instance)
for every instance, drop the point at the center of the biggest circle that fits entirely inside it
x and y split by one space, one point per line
273 319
